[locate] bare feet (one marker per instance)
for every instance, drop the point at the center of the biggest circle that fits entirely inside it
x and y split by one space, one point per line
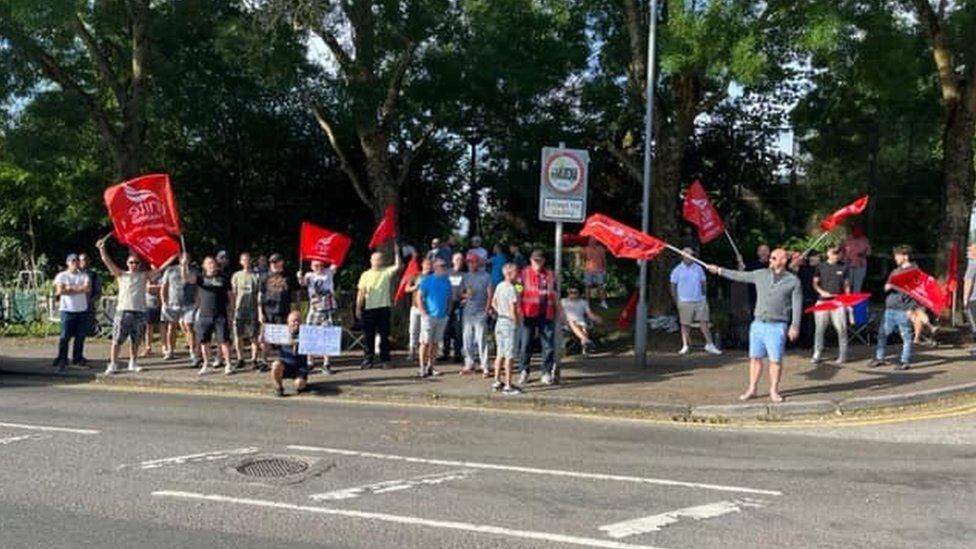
750 394
775 397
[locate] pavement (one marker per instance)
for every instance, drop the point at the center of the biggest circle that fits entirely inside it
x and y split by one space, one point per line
82 466
698 386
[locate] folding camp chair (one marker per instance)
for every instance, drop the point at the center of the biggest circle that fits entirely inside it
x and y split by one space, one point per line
863 328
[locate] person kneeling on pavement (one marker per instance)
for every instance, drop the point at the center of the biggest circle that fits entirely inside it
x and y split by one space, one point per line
578 317
290 364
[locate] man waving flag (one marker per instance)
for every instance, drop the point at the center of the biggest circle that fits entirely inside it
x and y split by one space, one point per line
854 208
386 230
323 245
144 216
699 211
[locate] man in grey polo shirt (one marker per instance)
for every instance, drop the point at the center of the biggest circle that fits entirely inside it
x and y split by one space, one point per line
779 306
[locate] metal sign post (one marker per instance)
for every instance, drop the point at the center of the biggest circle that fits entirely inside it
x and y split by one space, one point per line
562 198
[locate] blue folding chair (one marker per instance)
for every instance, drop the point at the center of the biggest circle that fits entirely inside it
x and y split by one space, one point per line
861 330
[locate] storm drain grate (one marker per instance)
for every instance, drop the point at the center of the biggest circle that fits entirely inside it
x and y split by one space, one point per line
272 467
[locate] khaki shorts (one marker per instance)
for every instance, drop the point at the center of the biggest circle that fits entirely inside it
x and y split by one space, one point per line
432 329
506 334
690 312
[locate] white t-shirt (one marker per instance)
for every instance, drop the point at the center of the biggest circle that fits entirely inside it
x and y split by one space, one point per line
74 303
132 292
689 279
503 298
576 309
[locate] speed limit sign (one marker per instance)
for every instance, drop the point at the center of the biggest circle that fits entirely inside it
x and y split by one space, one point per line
562 189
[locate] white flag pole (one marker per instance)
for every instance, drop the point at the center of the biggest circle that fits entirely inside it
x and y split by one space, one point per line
815 243
735 248
684 254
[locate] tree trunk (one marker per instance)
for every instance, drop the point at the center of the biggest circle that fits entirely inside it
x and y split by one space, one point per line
959 179
668 163
379 174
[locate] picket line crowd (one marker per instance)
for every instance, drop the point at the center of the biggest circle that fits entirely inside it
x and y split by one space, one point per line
459 299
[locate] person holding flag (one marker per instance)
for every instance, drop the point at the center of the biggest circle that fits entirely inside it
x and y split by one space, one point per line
688 285
373 305
897 305
777 315
409 286
830 279
130 308
321 301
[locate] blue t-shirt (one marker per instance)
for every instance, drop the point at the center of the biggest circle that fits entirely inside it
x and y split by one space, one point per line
497 262
436 292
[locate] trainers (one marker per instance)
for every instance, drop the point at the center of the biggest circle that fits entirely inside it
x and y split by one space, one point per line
327 370
240 364
133 367
523 378
603 304
432 372
228 369
168 355
816 360
216 362
204 370
511 391
196 363
497 386
684 350
366 364
279 391
712 349
547 379
60 364
194 359
903 366
877 362
111 368
81 363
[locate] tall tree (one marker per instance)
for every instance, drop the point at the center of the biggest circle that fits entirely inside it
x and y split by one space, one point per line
96 51
376 47
705 47
948 26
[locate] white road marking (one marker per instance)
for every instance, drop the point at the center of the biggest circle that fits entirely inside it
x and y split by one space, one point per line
216 455
393 485
533 470
21 438
654 523
402 519
51 429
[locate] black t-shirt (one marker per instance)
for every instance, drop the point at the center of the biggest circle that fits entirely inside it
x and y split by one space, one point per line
276 294
212 297
832 277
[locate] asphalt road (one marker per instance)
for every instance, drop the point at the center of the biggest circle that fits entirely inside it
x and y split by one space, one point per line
84 467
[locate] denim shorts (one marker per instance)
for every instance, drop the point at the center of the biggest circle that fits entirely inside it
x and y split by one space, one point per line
767 339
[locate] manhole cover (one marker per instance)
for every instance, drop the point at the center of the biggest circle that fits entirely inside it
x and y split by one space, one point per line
272 467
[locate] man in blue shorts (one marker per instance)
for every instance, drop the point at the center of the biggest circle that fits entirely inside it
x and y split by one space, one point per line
779 306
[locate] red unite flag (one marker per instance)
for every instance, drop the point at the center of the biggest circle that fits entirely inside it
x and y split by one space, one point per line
320 244
699 211
412 270
626 319
838 217
952 269
922 287
620 239
144 216
385 230
840 300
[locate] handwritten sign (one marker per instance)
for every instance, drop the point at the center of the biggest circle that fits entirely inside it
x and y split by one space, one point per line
277 334
319 340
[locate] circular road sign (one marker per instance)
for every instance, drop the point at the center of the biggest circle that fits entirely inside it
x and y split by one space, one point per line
565 172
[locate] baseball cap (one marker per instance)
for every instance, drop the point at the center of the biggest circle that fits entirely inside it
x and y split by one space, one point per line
221 254
472 256
71 257
275 257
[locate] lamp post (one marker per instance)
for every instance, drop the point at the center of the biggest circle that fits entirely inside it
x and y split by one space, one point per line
640 333
474 207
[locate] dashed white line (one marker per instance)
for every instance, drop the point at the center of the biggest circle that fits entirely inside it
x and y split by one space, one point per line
50 429
402 519
21 438
536 471
654 523
215 455
393 485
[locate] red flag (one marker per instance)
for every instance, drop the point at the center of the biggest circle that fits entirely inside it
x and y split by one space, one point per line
385 230
621 240
412 270
838 217
323 245
626 319
570 239
921 287
840 300
142 204
156 247
952 270
700 212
